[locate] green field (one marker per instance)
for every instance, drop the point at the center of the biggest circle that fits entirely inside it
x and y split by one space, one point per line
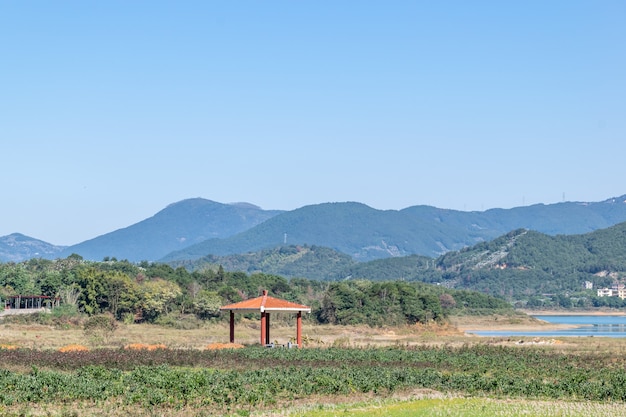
186 382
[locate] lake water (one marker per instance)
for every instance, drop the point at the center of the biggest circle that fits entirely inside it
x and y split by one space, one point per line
596 326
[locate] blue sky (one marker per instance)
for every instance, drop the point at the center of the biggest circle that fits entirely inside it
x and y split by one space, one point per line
109 111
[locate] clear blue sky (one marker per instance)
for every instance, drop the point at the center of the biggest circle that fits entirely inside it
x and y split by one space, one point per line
111 110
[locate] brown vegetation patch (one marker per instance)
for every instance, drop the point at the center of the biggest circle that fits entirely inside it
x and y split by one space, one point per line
439 329
144 346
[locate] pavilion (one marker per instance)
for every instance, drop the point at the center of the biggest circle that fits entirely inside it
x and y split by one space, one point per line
31 302
266 305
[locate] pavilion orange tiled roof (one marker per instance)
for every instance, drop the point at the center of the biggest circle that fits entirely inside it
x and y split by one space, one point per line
266 303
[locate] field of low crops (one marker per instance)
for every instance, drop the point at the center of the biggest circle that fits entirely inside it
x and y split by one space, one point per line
184 382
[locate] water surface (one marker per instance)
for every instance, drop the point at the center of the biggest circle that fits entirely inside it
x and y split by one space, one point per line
596 326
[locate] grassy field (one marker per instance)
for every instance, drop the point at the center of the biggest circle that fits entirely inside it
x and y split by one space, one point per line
197 334
412 370
39 336
470 407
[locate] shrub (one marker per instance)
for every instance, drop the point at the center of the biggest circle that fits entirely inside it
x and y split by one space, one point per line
65 311
101 326
180 322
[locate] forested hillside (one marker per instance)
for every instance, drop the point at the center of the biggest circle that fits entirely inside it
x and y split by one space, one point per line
541 269
158 293
311 262
319 263
521 266
366 233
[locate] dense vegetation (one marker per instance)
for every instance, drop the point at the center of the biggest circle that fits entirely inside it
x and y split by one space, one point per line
230 380
523 267
526 267
542 270
312 262
158 293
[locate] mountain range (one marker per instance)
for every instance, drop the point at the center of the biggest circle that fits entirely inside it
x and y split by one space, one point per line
194 228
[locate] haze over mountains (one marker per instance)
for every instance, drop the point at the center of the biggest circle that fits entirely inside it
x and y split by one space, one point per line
193 228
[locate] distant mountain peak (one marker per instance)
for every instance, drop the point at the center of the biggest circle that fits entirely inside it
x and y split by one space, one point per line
181 224
243 204
16 247
194 200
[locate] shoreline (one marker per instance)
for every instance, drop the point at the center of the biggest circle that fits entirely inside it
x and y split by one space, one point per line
573 313
526 321
519 323
539 327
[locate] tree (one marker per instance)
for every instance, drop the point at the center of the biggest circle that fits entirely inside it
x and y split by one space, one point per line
120 293
18 279
230 294
207 304
328 310
157 295
219 278
432 307
92 283
50 283
447 301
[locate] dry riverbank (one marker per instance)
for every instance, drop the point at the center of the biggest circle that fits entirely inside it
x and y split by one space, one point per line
247 332
505 323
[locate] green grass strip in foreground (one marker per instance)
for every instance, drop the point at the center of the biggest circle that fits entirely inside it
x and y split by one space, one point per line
474 407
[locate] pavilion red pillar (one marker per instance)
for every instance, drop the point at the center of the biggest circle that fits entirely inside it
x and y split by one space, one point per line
232 326
299 329
263 328
267 328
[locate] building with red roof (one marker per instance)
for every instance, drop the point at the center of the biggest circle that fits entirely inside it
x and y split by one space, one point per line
266 305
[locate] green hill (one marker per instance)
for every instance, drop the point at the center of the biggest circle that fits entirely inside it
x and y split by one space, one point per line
526 264
311 262
521 265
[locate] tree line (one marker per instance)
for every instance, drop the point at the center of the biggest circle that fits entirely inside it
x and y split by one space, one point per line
157 292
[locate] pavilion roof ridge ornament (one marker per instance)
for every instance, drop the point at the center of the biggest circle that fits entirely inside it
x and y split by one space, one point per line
263 301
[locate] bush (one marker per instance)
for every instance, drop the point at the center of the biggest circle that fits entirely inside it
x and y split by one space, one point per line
180 322
100 327
64 311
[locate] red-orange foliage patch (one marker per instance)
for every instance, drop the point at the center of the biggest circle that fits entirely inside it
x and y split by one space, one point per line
74 348
224 346
8 347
